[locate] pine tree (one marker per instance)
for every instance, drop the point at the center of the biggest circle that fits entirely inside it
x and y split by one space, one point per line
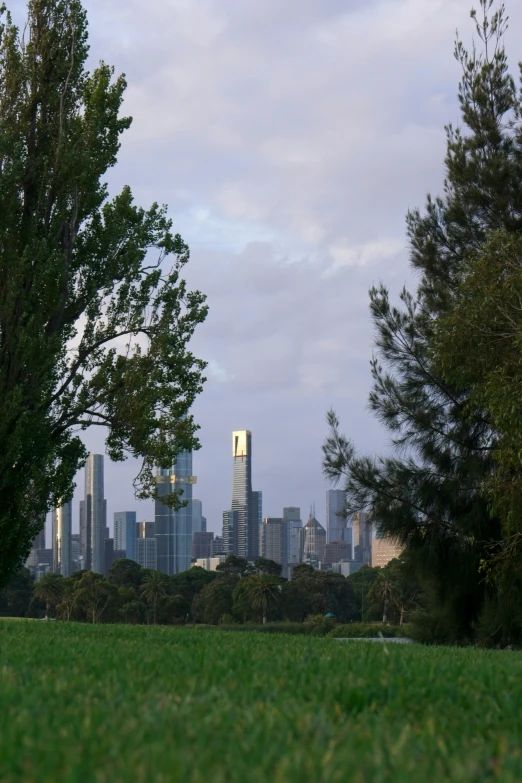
428 491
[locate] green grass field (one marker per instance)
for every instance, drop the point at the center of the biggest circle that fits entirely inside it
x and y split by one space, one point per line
123 704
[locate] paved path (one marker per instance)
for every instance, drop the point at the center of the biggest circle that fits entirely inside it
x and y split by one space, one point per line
392 639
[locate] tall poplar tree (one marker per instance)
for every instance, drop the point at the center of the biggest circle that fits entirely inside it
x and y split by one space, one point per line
427 492
95 318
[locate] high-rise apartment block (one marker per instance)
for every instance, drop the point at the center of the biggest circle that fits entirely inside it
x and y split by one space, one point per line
173 529
125 533
61 539
335 523
93 516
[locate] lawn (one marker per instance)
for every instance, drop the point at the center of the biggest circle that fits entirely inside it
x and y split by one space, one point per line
124 704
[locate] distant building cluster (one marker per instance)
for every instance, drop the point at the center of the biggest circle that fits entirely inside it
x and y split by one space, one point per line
177 538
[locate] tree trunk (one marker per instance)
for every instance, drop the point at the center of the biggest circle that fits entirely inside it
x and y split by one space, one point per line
264 619
402 616
385 611
155 612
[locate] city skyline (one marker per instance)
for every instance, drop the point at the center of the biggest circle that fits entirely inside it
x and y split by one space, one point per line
290 215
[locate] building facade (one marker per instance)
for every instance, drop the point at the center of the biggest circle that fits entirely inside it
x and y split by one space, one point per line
274 541
209 563
362 538
335 523
217 546
93 516
146 553
385 549
144 529
336 551
125 533
173 529
292 514
314 540
247 536
201 543
61 525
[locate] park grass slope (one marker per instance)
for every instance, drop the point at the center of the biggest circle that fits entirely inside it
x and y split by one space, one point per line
122 704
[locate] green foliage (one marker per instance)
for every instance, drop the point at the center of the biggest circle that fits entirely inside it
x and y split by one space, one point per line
214 601
233 566
263 593
299 708
319 624
49 589
428 492
77 268
16 596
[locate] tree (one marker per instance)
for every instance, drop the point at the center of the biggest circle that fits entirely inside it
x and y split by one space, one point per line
49 589
214 601
95 319
478 348
125 573
16 596
427 493
68 600
153 589
383 589
263 565
263 593
94 594
233 566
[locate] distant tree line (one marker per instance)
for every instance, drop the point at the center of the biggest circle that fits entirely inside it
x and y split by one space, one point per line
236 593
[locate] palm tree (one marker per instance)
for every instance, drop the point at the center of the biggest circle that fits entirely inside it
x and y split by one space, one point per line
50 590
262 591
383 589
153 588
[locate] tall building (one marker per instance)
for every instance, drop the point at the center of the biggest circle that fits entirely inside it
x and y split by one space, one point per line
292 515
39 539
217 546
336 551
61 544
385 549
314 540
93 516
257 507
362 537
146 553
230 525
201 543
75 552
125 533
199 522
243 503
274 541
173 529
144 529
335 524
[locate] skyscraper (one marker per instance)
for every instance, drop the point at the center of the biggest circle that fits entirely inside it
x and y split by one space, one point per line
362 537
61 545
292 514
335 524
314 540
199 522
125 533
230 524
173 529
242 501
274 541
93 515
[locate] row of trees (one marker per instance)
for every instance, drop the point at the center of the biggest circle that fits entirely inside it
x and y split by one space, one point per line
235 593
447 371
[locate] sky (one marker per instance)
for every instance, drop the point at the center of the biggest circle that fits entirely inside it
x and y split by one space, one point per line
289 139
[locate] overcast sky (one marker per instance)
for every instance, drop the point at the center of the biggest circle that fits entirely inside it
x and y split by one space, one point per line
289 138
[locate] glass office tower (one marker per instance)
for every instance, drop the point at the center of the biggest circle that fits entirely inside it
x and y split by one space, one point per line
93 515
173 529
247 537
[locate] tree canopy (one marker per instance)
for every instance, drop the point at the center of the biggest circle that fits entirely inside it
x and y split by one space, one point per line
95 318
